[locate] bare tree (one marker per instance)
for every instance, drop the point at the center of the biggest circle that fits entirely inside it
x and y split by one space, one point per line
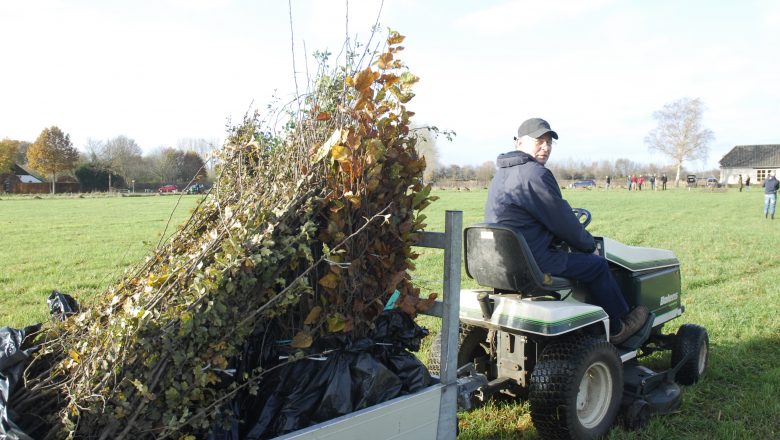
123 155
164 163
679 133
485 172
93 149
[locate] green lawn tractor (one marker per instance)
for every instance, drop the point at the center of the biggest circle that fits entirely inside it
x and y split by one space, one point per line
540 338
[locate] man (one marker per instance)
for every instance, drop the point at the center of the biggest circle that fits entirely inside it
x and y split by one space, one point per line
770 195
525 196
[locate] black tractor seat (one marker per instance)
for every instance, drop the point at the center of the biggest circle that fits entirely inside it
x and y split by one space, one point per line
498 257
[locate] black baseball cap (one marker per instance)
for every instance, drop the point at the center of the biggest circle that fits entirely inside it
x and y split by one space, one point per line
535 127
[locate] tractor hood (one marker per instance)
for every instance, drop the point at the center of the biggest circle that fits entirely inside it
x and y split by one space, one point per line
638 259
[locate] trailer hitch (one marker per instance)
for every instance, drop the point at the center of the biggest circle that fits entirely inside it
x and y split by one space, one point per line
469 381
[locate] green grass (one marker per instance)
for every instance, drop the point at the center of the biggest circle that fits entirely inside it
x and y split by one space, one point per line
725 246
76 245
730 271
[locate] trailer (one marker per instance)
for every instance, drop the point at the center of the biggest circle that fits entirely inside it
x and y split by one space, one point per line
430 413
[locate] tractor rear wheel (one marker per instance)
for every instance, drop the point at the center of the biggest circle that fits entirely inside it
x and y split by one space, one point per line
576 388
471 341
690 339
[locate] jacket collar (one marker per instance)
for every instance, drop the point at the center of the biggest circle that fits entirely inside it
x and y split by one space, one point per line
513 158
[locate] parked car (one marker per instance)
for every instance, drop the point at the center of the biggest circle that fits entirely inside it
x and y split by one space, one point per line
196 188
713 182
167 189
588 184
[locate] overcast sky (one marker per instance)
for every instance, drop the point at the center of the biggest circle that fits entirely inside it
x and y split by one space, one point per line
160 70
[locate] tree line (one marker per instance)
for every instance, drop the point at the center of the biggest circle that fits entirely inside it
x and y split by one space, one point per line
114 163
565 170
679 136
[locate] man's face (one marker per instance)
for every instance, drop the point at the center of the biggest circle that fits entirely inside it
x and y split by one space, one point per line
539 148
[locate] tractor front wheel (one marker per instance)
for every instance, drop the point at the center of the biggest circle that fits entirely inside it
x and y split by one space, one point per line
576 388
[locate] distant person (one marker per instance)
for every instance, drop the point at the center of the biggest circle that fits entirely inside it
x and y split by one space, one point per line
747 184
525 196
739 182
663 181
634 182
628 182
652 182
771 186
609 180
641 182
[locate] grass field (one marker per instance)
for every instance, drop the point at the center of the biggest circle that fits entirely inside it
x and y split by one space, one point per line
76 245
726 247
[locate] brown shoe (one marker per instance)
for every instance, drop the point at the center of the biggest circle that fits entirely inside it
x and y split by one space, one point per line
632 322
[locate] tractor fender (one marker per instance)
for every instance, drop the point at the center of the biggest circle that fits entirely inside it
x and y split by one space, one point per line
539 316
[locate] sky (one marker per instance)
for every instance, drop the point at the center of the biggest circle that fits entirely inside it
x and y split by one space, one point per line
158 71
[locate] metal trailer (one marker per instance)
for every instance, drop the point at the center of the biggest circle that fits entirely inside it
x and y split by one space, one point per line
430 413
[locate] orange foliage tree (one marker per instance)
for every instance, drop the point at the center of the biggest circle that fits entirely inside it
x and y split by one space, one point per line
7 154
52 153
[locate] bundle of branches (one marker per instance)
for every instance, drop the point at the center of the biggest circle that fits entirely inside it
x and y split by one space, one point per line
310 232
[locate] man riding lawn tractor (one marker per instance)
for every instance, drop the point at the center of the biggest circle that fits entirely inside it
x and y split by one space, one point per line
563 315
525 197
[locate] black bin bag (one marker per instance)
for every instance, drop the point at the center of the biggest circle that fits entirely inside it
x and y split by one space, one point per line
349 376
14 358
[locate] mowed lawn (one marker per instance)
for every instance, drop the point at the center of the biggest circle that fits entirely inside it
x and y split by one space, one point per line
76 245
730 269
731 285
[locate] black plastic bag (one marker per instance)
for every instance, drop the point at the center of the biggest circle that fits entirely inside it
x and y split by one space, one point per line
61 305
354 376
13 360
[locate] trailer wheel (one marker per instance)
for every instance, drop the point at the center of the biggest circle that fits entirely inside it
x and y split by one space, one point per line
576 388
693 339
470 349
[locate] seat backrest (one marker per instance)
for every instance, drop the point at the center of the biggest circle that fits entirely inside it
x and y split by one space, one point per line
497 256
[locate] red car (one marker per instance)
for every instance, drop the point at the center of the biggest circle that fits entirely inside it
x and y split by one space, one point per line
167 189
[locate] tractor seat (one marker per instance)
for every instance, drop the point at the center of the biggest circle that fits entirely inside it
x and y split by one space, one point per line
498 257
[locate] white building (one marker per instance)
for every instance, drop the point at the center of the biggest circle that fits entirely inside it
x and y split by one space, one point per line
756 161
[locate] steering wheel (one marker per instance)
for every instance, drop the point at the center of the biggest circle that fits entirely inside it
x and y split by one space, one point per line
582 213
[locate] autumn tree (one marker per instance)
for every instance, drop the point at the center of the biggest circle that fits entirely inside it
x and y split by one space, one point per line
680 134
52 153
8 150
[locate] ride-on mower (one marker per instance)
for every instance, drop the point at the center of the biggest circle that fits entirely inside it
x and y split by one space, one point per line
539 337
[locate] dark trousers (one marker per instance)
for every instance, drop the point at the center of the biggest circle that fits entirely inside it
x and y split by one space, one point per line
593 272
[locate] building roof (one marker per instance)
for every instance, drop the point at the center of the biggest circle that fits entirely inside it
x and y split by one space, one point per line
752 156
21 171
26 178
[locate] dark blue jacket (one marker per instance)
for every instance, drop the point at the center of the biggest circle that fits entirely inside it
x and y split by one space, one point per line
524 195
771 185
